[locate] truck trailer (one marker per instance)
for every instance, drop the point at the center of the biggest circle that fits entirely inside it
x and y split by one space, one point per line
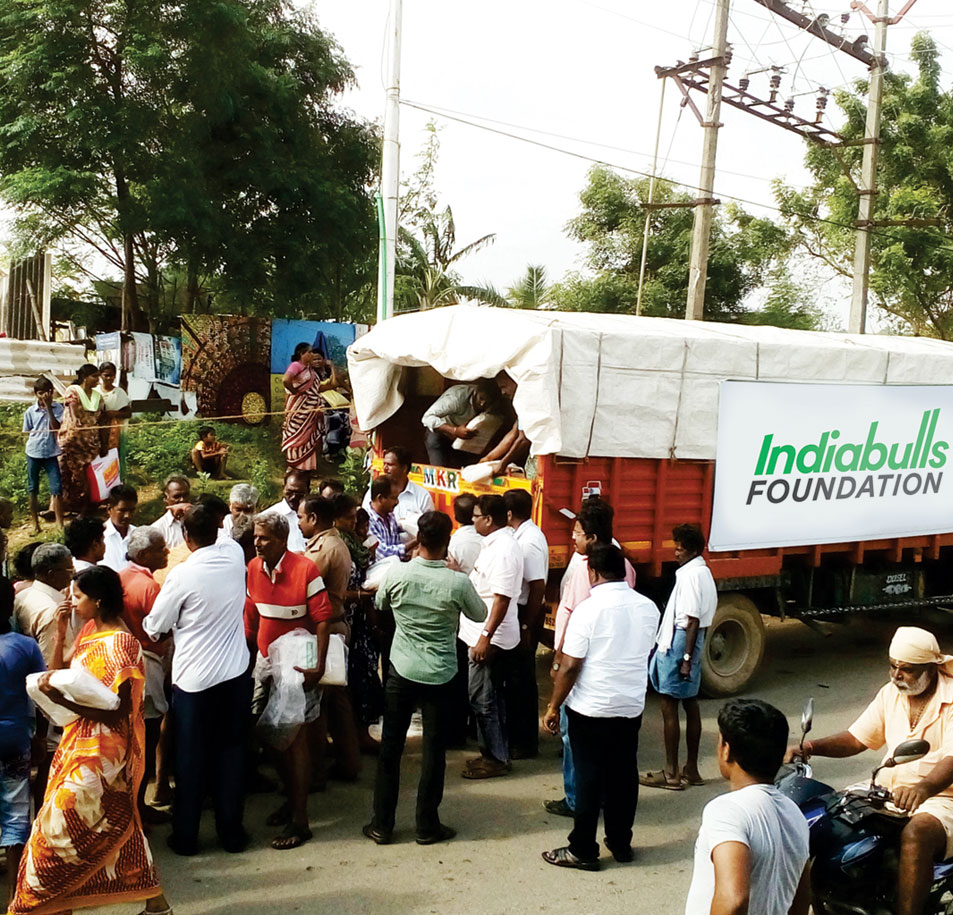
815 463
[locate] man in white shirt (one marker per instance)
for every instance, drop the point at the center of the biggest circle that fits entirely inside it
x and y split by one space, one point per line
296 489
123 501
465 542
202 602
177 494
498 578
752 849
34 609
522 693
602 676
412 500
675 671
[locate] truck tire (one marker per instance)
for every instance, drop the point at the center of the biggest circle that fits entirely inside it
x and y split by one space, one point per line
734 646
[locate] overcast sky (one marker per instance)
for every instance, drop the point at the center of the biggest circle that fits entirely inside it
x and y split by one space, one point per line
579 75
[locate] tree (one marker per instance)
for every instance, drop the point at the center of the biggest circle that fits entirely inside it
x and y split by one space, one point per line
427 252
197 138
532 290
911 276
744 249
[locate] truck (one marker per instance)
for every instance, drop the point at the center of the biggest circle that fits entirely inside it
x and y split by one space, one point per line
813 462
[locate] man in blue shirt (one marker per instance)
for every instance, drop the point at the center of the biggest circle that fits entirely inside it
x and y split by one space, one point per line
42 420
382 523
19 656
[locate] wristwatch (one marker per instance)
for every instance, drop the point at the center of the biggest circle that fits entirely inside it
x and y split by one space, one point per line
686 657
486 633
555 666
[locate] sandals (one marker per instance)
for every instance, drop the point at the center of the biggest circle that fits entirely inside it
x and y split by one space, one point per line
698 782
661 780
291 837
280 817
563 857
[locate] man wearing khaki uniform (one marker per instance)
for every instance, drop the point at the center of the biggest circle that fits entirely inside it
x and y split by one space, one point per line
916 703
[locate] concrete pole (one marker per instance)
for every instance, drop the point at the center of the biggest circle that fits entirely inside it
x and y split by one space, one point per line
704 213
857 321
390 167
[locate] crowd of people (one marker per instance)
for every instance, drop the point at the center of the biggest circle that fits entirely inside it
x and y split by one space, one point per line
224 635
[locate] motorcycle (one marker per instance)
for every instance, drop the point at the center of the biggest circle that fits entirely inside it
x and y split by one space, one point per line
855 837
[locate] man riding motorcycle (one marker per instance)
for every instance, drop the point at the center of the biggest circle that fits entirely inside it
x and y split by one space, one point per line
916 703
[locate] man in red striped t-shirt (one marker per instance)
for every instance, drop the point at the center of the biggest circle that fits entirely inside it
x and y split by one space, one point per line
285 592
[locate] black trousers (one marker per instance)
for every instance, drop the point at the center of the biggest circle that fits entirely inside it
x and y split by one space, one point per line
605 754
401 697
522 701
210 728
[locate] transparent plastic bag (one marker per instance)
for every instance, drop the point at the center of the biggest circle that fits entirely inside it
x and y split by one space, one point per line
287 707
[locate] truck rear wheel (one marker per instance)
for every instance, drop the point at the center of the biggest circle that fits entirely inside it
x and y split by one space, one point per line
734 646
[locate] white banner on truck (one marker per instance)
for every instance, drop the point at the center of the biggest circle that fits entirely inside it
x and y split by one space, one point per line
827 463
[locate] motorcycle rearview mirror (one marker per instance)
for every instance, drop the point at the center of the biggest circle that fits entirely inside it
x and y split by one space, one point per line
907 752
807 719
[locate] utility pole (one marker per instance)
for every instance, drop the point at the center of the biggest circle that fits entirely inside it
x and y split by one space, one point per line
704 212
867 190
390 169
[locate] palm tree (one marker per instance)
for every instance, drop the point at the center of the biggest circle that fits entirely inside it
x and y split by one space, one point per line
425 274
531 290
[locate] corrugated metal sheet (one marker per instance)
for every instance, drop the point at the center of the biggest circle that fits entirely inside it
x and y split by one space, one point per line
27 302
22 360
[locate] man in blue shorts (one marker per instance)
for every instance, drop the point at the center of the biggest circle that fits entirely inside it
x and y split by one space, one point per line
42 420
675 668
19 656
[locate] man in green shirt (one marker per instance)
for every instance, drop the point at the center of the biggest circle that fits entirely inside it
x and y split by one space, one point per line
426 599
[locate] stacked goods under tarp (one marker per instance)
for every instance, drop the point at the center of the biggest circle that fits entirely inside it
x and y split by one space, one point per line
617 385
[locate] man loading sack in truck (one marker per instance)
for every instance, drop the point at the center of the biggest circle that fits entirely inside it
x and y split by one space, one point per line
461 422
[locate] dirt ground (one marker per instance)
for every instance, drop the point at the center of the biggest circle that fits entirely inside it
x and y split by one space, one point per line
494 864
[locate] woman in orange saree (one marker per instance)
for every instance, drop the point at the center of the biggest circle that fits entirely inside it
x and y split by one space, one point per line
87 847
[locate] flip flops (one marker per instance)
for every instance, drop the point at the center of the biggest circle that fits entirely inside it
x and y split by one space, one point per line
291 837
563 857
660 780
698 782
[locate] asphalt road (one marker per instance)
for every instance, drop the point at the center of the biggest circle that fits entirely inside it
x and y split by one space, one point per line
494 864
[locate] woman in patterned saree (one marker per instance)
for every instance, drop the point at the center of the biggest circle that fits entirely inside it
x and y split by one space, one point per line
87 847
301 435
79 436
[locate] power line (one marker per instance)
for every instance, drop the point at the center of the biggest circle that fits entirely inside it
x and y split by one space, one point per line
642 174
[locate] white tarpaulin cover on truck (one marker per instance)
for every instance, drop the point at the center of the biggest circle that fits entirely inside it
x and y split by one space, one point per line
617 385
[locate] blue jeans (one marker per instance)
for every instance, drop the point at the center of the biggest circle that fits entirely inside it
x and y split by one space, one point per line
569 770
51 466
488 701
15 800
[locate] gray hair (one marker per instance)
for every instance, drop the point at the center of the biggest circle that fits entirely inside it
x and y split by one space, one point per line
48 556
143 539
176 478
274 523
245 495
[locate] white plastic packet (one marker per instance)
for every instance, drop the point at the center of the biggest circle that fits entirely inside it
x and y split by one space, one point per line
480 473
335 665
410 524
485 426
79 686
377 571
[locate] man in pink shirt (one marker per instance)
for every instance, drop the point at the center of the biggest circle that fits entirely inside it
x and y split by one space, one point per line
593 525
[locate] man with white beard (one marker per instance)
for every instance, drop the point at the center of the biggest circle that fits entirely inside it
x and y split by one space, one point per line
916 703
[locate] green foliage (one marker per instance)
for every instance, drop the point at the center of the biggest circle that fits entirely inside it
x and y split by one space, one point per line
532 290
912 264
744 251
194 147
427 252
354 472
786 305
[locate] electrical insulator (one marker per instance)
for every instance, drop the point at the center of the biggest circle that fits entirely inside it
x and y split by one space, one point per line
821 105
789 105
728 55
743 83
775 84
845 18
